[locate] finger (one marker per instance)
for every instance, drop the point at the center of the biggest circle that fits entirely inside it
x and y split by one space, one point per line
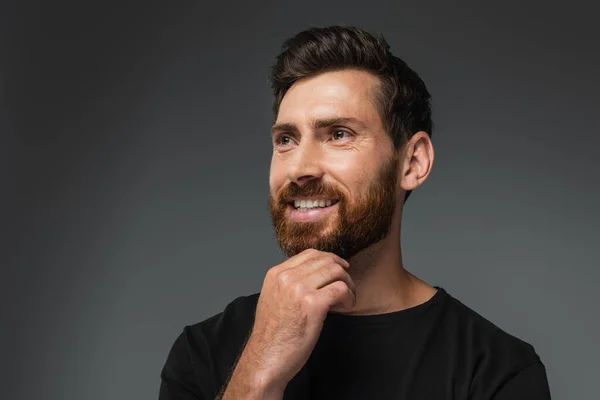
338 259
335 294
323 260
310 256
299 259
326 274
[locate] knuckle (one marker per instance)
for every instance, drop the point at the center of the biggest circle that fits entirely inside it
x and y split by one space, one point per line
308 302
273 271
297 290
283 278
326 273
337 270
334 272
341 288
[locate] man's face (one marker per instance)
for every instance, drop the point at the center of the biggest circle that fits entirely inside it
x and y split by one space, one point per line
334 169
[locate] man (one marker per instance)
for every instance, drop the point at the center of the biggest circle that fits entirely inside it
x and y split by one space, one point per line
341 317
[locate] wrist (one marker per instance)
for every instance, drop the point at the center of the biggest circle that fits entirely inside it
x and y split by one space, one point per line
258 389
264 376
269 386
250 382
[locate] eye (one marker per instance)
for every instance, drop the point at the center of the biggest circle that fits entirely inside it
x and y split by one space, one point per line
283 140
339 134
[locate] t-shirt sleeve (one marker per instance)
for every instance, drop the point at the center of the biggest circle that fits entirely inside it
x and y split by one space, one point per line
186 376
531 383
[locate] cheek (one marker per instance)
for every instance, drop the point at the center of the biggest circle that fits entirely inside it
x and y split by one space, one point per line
353 175
273 186
357 182
276 179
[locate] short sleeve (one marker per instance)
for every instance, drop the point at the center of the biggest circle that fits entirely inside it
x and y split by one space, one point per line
530 383
182 372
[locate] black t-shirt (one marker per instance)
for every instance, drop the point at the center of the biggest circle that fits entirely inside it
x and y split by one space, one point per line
440 349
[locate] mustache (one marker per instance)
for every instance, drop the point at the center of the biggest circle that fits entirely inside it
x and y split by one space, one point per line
309 189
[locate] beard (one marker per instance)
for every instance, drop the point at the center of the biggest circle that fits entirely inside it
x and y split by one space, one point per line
357 224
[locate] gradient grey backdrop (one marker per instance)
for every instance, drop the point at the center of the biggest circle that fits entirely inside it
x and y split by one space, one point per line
135 149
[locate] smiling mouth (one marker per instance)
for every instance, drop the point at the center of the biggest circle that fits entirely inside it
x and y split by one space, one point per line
310 204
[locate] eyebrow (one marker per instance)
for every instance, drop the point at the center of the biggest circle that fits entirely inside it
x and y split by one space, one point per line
317 124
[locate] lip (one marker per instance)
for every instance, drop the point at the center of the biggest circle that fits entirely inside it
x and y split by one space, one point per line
314 214
312 198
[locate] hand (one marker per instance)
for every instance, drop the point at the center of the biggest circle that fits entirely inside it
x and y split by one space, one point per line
295 298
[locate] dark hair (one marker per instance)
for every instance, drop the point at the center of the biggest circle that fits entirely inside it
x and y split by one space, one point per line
403 99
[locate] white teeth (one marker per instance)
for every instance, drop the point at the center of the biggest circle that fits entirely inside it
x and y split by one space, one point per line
307 204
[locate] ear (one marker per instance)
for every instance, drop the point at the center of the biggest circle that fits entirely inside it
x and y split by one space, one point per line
417 161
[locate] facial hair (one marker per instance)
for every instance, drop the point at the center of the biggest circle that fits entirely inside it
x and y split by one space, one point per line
356 225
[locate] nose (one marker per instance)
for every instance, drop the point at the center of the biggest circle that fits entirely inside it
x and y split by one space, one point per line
305 165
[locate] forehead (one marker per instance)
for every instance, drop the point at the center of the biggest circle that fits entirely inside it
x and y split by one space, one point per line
347 93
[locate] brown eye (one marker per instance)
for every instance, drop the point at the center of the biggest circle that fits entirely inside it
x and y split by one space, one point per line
339 134
283 140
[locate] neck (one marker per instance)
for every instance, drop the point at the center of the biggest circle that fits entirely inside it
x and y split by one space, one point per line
383 285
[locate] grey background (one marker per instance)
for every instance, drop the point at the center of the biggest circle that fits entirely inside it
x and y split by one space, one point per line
135 157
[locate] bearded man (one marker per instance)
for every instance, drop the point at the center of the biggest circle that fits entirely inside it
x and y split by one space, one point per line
342 318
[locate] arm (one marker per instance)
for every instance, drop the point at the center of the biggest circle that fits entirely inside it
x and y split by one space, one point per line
178 379
531 383
248 383
181 376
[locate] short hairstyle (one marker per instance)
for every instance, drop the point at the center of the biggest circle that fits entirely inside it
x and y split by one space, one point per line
403 100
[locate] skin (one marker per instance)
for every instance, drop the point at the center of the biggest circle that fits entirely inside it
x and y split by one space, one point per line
348 155
298 293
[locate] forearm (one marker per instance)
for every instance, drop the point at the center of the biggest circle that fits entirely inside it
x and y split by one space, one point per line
248 382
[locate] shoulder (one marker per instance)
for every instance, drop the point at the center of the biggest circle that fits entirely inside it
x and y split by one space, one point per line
484 334
492 356
202 355
233 321
225 332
